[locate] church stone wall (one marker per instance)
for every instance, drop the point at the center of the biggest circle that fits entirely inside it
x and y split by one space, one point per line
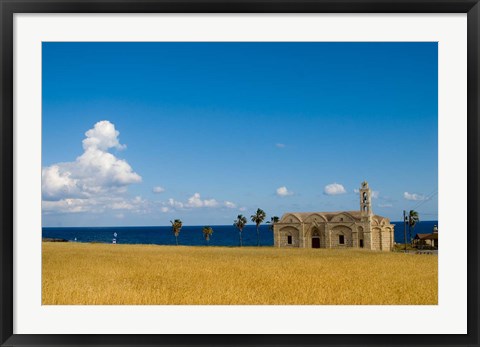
347 234
367 240
289 231
376 239
375 231
379 239
387 242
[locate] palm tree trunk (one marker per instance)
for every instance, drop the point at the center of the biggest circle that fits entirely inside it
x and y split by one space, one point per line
176 239
258 237
240 237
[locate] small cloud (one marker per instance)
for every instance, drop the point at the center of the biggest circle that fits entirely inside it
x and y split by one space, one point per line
196 201
242 209
280 145
102 137
158 190
122 205
210 203
385 205
138 199
334 189
229 204
283 191
120 216
356 191
174 203
414 196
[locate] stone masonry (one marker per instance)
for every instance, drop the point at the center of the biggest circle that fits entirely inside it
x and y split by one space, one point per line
344 229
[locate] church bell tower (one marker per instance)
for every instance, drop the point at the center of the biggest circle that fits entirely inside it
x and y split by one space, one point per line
365 201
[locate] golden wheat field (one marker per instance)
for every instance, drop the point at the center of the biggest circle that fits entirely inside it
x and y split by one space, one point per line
107 274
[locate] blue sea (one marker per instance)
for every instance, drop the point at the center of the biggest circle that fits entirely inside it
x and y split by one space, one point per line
223 235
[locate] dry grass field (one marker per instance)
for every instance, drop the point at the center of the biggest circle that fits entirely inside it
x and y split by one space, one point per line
104 274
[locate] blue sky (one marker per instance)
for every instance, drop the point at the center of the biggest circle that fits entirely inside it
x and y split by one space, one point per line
142 133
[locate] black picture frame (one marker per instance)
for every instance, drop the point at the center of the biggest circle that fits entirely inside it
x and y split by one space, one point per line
10 7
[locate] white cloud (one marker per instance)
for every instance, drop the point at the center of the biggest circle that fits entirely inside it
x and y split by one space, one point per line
70 206
229 204
210 203
95 180
283 191
158 190
242 209
98 204
122 205
414 196
386 205
280 145
165 209
58 183
334 189
175 204
356 191
103 136
196 201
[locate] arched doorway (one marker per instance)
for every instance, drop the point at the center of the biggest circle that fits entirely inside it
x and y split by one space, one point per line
315 239
360 237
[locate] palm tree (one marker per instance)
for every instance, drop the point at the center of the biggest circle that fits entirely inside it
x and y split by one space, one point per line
413 219
258 218
176 226
273 220
240 223
207 231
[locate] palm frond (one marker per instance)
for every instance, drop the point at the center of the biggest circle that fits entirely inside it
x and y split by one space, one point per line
240 222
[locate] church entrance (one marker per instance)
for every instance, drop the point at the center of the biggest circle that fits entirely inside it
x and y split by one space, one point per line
315 242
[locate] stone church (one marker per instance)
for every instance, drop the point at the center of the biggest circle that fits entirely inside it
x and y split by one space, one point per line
345 229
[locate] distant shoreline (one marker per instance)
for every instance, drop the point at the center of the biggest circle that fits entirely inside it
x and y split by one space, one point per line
49 239
192 226
223 235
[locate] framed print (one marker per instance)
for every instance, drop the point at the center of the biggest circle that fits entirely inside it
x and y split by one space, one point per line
248 173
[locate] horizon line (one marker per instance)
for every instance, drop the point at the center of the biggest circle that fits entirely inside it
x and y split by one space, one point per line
198 225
